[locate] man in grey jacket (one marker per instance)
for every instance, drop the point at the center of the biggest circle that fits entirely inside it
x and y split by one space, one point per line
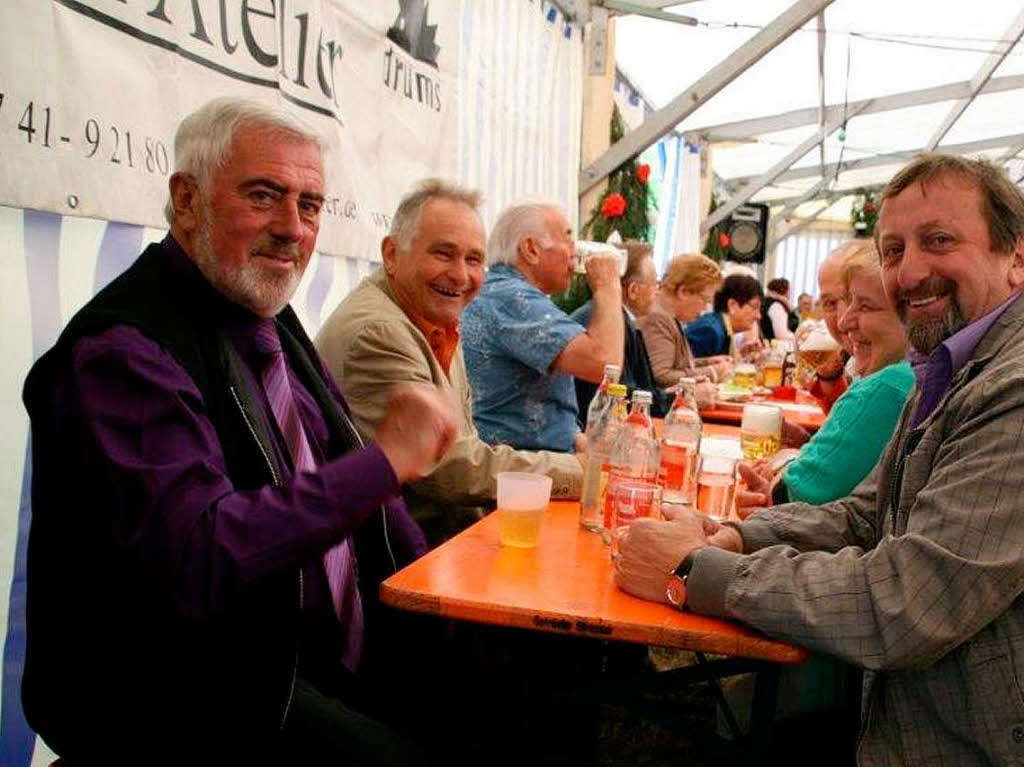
917 575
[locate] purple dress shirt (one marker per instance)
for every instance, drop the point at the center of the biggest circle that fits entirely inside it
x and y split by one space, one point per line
146 417
935 371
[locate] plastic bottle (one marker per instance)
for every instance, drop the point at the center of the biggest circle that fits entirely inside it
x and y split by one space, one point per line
635 453
601 434
680 444
601 400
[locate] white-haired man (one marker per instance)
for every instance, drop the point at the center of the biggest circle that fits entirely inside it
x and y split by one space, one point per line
521 350
402 324
917 576
198 490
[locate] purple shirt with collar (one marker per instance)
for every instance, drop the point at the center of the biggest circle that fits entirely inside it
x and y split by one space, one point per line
935 372
146 418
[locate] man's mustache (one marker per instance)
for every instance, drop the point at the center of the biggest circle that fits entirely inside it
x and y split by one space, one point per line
287 250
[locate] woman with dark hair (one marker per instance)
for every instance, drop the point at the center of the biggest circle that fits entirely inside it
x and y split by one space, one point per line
737 308
778 320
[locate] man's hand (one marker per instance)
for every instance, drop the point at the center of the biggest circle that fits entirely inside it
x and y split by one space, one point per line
722 366
420 426
650 549
603 272
706 394
831 368
757 495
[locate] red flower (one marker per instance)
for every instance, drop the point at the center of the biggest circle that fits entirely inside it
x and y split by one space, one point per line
614 205
723 240
869 207
643 172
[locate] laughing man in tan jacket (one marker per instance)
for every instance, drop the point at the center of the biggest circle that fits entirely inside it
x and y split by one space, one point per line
401 324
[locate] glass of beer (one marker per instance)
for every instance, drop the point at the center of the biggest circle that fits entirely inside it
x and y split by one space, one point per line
772 369
584 249
815 348
716 485
632 499
522 499
744 375
760 431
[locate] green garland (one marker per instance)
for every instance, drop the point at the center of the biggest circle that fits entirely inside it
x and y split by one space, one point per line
713 247
629 181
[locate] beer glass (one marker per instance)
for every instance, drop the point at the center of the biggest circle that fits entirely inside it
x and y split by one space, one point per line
717 476
760 431
522 499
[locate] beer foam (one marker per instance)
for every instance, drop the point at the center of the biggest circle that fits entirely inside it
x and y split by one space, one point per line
818 339
764 419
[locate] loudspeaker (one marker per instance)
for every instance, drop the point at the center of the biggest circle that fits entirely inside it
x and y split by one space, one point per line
747 228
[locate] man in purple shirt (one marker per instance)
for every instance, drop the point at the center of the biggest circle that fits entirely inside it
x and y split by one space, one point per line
918 575
208 529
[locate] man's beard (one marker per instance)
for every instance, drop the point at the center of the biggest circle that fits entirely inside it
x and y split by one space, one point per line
261 292
927 332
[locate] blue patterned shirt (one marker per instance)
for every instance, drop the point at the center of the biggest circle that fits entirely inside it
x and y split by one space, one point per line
511 334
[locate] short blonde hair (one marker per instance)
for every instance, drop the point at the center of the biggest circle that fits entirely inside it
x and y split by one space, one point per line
692 272
861 258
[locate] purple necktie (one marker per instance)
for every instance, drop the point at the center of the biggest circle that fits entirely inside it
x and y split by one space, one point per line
339 561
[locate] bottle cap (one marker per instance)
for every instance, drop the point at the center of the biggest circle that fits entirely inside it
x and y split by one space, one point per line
612 371
642 396
687 381
616 390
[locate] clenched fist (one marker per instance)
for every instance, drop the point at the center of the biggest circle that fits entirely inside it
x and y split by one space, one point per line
420 426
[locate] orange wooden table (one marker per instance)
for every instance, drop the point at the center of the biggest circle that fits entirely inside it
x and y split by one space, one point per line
564 585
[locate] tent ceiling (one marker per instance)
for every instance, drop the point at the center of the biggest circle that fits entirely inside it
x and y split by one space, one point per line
874 48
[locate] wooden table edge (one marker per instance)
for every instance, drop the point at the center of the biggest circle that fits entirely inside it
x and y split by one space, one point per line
558 623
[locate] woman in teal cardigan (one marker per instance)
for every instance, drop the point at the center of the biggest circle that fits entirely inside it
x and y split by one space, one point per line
861 422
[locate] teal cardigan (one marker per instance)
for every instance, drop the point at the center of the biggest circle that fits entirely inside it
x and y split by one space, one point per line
849 443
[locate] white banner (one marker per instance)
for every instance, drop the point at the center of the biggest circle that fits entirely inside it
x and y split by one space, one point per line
91 92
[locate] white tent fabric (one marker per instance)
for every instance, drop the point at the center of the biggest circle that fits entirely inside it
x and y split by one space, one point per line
873 48
521 94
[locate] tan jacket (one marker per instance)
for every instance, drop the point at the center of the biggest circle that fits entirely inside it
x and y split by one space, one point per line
668 350
370 345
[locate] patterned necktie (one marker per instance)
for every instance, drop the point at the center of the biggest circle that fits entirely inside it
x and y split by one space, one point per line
339 561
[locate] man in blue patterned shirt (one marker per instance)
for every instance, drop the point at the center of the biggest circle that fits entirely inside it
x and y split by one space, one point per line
521 350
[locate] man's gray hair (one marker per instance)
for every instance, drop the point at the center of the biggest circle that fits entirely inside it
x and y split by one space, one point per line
407 217
203 139
517 222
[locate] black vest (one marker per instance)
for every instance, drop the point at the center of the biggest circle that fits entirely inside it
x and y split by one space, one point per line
115 666
767 330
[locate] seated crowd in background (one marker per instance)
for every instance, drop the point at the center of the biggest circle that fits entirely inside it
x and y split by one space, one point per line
687 288
778 320
736 309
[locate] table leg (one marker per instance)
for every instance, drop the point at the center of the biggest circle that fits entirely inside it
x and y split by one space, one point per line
762 713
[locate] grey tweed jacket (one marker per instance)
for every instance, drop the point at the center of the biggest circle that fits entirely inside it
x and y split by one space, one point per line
917 576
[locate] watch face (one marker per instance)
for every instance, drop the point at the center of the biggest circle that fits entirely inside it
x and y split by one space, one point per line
675 590
745 238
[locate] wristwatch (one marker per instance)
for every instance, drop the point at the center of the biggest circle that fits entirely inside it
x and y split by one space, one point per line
675 587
